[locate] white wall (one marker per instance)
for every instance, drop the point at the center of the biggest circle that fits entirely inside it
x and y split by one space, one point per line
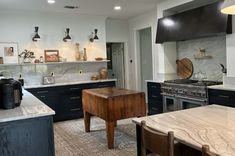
18 26
116 30
137 23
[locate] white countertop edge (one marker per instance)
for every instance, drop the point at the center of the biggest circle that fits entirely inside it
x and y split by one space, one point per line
27 117
155 81
68 83
223 87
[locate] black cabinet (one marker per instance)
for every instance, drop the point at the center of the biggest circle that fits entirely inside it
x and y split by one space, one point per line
66 101
221 97
155 105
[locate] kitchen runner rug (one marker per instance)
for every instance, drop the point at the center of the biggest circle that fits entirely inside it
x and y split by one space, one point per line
72 140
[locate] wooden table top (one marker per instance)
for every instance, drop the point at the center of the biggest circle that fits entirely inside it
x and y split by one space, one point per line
110 92
213 125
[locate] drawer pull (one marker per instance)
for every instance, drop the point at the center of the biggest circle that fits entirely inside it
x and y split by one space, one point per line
75 109
153 86
44 91
103 86
224 96
154 96
77 88
42 96
74 98
153 108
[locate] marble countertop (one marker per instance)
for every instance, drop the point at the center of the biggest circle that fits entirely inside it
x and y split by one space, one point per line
30 107
67 83
156 81
213 125
223 87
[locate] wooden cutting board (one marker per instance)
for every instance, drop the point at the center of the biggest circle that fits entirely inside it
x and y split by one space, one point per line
184 68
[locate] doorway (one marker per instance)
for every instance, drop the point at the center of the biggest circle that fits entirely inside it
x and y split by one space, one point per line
145 57
116 70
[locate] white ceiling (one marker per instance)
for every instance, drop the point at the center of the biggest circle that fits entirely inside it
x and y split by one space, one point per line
130 8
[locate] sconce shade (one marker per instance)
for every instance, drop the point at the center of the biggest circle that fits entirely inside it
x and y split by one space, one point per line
94 36
67 38
36 37
228 7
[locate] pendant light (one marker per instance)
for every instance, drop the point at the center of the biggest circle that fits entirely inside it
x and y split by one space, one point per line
36 37
228 7
67 38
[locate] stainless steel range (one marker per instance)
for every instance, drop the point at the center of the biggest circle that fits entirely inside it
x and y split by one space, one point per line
185 93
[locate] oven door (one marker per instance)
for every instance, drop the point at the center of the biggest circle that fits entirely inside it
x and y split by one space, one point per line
169 103
191 103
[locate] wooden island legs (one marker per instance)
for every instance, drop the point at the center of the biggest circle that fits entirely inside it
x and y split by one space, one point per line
87 121
110 132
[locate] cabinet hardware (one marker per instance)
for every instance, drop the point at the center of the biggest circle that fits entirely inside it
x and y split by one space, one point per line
103 86
75 109
154 96
74 98
77 88
42 96
224 96
44 91
153 108
153 86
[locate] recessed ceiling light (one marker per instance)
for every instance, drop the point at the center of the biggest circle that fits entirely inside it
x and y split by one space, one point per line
117 7
51 1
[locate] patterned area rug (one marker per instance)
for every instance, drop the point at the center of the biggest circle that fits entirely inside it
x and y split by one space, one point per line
72 140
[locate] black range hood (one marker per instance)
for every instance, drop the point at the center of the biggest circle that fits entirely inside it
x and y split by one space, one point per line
196 23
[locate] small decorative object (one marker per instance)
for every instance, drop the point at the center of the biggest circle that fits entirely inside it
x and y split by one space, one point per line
77 53
41 59
36 37
67 38
95 77
201 54
27 56
103 73
94 36
51 55
98 58
1 60
84 55
9 52
36 61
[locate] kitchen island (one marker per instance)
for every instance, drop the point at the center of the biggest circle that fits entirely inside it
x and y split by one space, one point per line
28 129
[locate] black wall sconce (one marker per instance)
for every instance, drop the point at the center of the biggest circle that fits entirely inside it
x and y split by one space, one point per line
67 38
36 37
94 36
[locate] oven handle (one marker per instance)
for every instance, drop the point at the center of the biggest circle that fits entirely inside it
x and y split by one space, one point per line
189 98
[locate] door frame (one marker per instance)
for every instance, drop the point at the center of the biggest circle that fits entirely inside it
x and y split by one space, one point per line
137 54
125 61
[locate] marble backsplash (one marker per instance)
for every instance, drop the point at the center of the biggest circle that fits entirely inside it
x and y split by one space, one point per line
214 46
63 72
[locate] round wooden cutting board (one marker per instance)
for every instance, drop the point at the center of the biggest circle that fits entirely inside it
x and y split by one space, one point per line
184 68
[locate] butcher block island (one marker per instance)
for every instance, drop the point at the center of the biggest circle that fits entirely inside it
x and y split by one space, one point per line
112 104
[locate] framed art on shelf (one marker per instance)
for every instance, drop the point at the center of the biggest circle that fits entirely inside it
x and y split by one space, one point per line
9 52
51 55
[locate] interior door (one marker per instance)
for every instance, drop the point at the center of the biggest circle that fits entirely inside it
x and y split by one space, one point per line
115 53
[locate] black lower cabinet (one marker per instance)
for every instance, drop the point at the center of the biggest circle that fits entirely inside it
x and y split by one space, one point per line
155 105
66 101
221 97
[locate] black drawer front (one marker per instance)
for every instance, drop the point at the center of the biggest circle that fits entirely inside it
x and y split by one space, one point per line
154 86
42 91
71 101
155 106
226 98
154 96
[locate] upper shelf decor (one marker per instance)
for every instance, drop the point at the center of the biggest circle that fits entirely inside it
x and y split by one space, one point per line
36 37
94 36
26 56
67 37
51 55
9 52
201 54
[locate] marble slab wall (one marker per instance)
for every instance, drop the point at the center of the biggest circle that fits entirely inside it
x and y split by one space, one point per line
63 72
215 46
